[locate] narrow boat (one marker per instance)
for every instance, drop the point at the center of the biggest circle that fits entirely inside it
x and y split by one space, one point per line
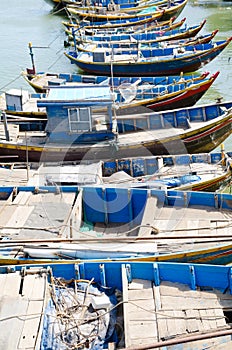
149 37
57 253
196 172
119 23
129 305
102 16
166 61
110 222
127 96
41 81
119 6
163 12
81 126
101 46
88 30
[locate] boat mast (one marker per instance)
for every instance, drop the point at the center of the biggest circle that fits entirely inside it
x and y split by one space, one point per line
31 71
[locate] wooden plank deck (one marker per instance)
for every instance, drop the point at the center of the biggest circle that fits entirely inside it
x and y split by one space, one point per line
38 215
21 314
139 312
148 217
158 313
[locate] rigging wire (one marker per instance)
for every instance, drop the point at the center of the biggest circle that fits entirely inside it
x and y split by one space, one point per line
2 89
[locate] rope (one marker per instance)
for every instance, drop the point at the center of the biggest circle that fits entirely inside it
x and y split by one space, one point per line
12 81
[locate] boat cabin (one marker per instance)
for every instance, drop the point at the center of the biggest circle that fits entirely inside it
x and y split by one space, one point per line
78 114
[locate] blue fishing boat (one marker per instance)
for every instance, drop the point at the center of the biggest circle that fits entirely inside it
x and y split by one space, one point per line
121 22
87 29
42 81
114 222
142 45
103 15
128 95
195 172
81 125
163 12
149 37
165 61
113 304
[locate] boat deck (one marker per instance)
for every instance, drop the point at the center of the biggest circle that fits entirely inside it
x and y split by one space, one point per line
172 228
40 215
159 313
21 312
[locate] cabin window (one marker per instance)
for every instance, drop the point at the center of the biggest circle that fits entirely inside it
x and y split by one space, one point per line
79 119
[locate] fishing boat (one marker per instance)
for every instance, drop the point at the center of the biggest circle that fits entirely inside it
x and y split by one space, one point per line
99 223
163 11
118 23
148 37
127 95
81 125
196 172
100 3
130 8
165 61
117 46
42 81
113 304
89 30
111 222
102 16
111 5
23 253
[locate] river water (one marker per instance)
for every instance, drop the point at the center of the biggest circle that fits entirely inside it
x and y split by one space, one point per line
32 21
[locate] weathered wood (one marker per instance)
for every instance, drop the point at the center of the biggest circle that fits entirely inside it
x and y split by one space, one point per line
21 314
141 316
148 217
192 321
32 330
125 307
220 318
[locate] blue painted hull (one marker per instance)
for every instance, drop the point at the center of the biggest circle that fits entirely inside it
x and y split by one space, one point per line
178 33
150 66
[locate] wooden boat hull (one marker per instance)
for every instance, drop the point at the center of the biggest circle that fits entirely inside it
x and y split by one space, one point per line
98 17
184 94
91 47
161 25
215 255
147 169
165 66
123 23
40 81
204 139
186 99
142 287
163 13
150 37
